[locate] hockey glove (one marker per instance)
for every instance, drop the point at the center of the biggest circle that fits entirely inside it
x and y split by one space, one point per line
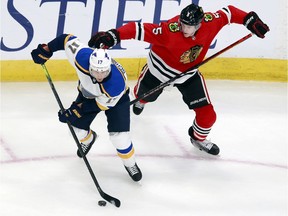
71 114
104 40
41 55
255 24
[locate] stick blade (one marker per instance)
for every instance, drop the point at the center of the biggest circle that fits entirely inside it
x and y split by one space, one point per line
110 199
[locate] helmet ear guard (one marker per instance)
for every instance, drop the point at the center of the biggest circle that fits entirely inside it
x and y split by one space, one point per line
192 15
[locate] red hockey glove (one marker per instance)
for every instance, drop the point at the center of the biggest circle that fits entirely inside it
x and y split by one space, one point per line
104 40
41 55
255 24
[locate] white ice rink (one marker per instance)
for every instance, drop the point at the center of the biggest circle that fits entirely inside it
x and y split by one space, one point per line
42 176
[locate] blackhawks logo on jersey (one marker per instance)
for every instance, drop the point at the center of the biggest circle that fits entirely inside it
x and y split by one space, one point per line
174 27
191 54
208 17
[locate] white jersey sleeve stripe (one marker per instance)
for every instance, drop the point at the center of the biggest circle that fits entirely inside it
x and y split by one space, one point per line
139 31
227 12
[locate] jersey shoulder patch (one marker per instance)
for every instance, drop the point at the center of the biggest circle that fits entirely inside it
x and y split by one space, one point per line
174 27
209 17
173 24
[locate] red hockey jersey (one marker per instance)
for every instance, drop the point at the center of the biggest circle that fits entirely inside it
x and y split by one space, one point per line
171 53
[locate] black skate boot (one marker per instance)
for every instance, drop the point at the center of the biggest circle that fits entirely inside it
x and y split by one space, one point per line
205 145
86 147
134 172
138 107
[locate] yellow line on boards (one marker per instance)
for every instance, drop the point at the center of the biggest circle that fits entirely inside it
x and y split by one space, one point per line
219 68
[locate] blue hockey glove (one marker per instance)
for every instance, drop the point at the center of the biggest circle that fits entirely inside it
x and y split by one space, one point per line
40 55
71 114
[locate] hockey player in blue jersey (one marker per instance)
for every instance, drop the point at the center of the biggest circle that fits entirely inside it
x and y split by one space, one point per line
102 87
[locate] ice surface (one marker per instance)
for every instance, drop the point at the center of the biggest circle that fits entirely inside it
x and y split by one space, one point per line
41 174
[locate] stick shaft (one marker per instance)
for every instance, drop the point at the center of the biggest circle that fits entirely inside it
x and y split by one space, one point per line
105 196
163 85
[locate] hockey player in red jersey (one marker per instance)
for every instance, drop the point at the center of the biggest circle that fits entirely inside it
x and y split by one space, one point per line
176 46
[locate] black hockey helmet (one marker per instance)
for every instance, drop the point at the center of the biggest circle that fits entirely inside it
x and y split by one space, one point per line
192 15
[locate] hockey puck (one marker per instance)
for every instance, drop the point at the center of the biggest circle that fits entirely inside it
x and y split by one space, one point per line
102 203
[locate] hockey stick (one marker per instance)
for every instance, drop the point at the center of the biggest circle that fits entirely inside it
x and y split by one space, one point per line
163 85
105 196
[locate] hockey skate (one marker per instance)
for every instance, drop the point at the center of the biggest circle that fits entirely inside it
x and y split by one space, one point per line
134 172
86 147
205 145
138 107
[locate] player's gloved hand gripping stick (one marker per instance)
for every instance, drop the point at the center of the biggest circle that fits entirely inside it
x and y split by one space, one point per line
105 196
163 85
